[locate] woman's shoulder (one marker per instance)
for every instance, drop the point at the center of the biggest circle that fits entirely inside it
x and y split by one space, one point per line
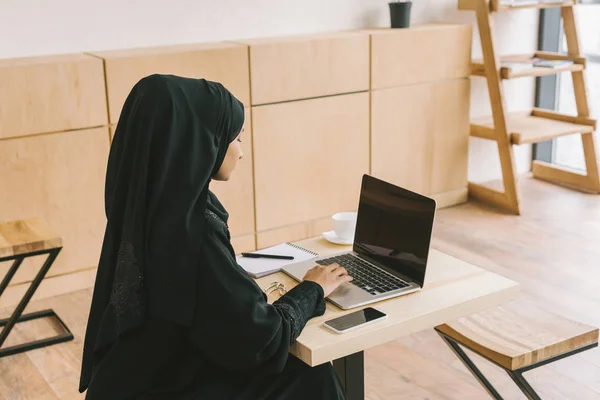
214 201
216 234
214 221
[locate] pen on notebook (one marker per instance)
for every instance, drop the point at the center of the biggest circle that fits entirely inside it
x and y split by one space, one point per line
258 255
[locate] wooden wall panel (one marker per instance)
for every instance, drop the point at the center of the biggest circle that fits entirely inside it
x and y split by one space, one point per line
59 178
451 198
50 286
450 129
420 135
51 94
237 195
420 54
295 232
400 136
245 243
309 158
301 67
222 62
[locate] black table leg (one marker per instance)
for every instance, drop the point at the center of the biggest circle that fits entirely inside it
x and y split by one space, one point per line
351 370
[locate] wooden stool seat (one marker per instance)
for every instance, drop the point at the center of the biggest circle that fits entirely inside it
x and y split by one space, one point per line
19 240
517 337
26 236
519 334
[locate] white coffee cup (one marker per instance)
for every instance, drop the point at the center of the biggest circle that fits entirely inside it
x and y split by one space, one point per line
344 224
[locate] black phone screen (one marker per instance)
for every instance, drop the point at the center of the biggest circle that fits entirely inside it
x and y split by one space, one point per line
356 318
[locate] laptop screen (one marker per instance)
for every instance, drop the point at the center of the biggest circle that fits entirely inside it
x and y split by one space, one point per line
394 228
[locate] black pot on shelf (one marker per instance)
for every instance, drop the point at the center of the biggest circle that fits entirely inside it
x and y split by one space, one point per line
400 14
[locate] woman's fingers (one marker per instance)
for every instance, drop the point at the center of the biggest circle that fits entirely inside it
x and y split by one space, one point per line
338 270
334 267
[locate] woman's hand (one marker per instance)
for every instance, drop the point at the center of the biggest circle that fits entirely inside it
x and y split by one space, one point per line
329 277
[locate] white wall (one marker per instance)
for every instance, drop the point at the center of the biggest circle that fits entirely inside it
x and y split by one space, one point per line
37 27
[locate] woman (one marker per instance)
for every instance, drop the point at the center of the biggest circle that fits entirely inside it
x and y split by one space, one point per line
173 316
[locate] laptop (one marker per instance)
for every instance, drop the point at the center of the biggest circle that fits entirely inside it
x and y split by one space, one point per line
390 250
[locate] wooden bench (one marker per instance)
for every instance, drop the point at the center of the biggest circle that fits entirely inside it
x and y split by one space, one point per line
19 240
517 337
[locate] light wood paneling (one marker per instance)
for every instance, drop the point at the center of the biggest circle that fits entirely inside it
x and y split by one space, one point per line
309 158
301 67
419 54
519 334
244 243
316 227
58 366
394 368
50 372
420 135
401 139
51 94
452 287
50 286
451 198
26 236
20 379
222 62
111 132
59 178
449 109
295 232
237 195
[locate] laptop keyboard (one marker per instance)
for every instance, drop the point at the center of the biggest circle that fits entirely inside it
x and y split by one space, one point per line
366 276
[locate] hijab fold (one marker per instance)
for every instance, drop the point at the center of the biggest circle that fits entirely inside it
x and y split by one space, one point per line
172 137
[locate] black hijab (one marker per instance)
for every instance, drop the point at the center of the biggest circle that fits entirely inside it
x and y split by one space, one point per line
172 137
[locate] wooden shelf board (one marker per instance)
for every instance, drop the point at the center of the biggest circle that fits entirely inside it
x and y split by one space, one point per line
496 7
569 3
509 73
524 127
506 72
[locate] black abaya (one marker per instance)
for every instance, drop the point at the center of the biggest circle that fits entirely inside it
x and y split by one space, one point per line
173 316
212 359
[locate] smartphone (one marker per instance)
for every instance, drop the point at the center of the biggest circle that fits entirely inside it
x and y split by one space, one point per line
355 320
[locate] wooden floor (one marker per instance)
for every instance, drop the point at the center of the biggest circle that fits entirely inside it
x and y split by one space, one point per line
553 250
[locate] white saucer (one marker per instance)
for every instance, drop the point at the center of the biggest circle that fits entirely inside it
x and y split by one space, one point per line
333 238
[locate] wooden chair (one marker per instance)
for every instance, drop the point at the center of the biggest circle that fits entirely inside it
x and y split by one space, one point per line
19 240
537 125
517 337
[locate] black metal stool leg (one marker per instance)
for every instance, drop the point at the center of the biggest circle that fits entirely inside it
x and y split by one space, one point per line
455 347
17 316
522 383
9 275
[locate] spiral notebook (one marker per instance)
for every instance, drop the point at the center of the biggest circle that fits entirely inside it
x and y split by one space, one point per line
259 267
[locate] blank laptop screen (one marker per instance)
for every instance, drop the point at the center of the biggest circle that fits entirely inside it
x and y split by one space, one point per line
394 228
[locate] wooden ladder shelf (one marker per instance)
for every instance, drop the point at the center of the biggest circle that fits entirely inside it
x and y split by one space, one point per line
537 125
